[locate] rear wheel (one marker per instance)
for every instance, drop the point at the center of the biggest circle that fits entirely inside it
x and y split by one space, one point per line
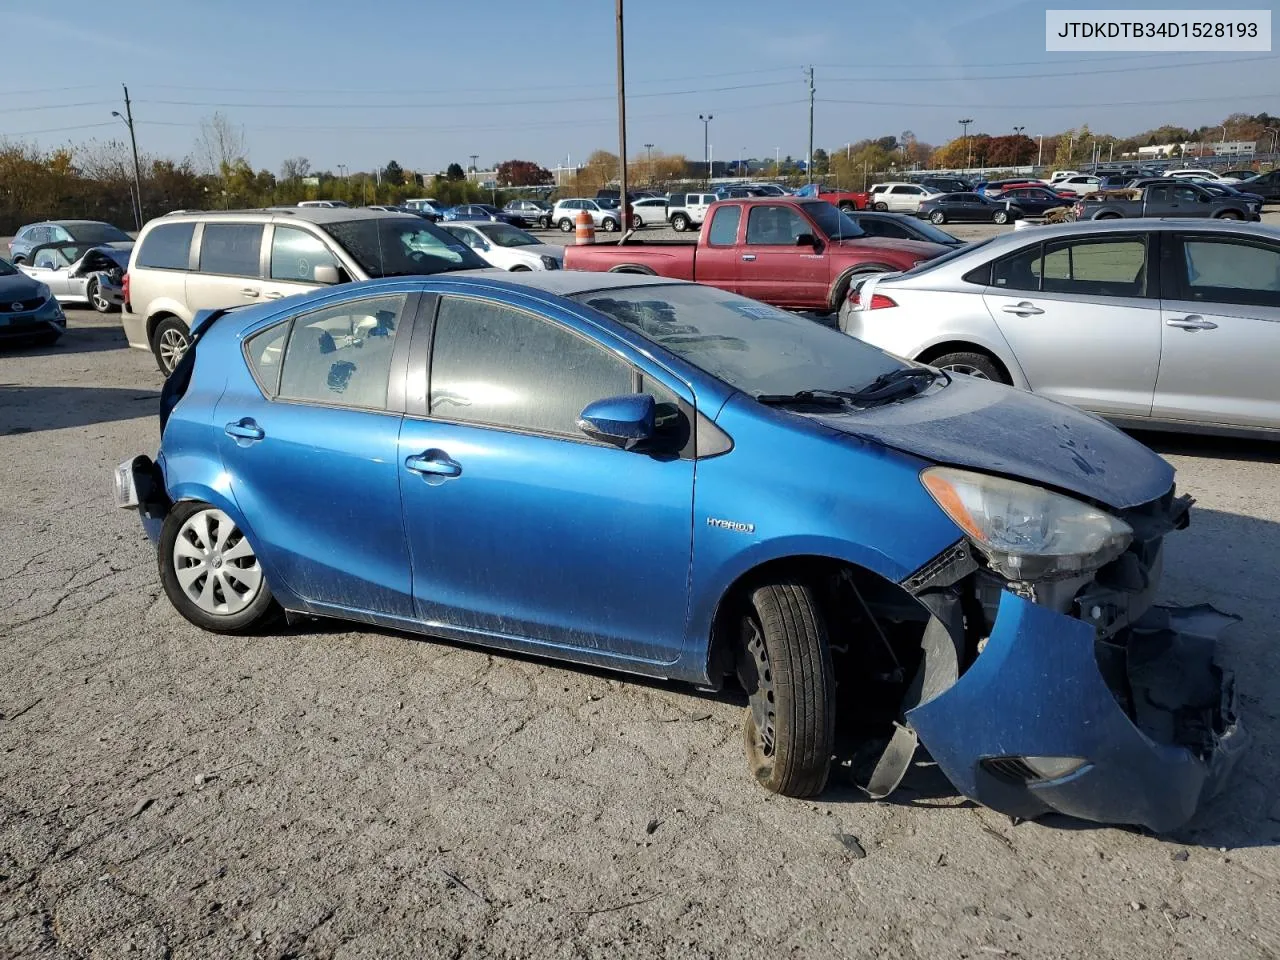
169 342
784 664
679 223
937 217
977 365
636 222
847 207
210 571
96 299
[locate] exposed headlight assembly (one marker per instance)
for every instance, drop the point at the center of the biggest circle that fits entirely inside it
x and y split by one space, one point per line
550 263
1027 532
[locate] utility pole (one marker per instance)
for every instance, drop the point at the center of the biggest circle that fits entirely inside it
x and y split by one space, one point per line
1017 144
809 164
1040 151
137 169
622 126
706 147
968 152
649 150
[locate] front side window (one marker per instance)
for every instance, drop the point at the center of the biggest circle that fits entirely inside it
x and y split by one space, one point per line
494 365
402 246
724 227
234 249
1096 267
295 254
1231 270
167 246
341 355
775 225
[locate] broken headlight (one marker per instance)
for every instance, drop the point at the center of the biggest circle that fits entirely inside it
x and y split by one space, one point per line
1027 532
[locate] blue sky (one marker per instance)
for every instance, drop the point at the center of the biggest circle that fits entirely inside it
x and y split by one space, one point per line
426 82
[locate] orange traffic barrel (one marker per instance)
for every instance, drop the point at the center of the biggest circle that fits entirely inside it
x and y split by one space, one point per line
586 228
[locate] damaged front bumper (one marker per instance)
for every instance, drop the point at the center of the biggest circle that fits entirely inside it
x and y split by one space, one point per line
138 484
1154 738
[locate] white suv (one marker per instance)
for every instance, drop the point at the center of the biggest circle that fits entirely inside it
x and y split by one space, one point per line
685 210
565 214
900 197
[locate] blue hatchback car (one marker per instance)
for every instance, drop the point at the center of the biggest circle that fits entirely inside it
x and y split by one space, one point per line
666 479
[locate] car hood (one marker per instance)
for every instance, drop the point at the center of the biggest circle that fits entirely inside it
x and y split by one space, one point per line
870 246
18 287
997 429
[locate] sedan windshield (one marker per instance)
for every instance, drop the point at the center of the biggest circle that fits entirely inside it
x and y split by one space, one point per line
402 247
832 221
97 233
505 235
756 348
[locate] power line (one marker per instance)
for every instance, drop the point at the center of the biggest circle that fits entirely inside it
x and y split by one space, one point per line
1036 76
81 126
1059 106
57 106
1009 63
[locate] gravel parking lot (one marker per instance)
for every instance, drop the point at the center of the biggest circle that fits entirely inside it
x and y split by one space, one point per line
338 792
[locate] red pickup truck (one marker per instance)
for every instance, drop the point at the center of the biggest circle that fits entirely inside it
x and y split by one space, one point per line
800 254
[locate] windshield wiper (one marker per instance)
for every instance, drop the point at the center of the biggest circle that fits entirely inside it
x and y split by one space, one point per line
903 382
806 398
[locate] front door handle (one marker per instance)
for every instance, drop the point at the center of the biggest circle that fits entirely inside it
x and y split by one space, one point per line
748 256
434 463
250 292
1192 322
1023 309
244 429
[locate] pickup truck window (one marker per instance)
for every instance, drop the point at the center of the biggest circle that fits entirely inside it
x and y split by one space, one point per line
775 226
724 227
1231 270
748 345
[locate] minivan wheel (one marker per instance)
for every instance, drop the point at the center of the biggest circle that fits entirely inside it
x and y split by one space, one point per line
784 664
679 223
937 217
210 572
566 225
99 302
976 365
169 342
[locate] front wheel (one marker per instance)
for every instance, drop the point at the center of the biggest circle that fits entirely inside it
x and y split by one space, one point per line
679 223
1229 215
937 217
210 571
1001 216
169 342
636 222
96 299
976 365
544 223
847 207
566 225
881 206
520 268
609 225
784 664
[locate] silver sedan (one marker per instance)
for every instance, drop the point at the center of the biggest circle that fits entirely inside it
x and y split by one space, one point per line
1160 324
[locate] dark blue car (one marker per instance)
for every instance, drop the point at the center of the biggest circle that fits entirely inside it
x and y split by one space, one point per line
668 480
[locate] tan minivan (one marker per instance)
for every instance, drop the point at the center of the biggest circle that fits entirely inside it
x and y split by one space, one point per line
188 262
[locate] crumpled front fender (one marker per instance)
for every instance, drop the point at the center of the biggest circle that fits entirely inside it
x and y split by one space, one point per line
1036 690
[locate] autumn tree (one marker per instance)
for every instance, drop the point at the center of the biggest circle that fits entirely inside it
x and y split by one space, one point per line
522 173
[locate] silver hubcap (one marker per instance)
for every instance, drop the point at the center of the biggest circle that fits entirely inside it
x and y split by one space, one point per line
215 565
968 369
98 299
173 344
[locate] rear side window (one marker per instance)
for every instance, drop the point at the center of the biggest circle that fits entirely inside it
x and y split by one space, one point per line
1096 267
341 355
724 227
295 254
1018 271
265 351
495 365
167 247
231 248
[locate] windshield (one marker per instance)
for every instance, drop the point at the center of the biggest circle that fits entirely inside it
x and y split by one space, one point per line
97 233
749 345
833 222
505 235
402 247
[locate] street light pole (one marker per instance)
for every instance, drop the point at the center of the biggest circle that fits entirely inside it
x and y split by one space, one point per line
137 169
964 127
1040 152
649 150
622 125
706 149
1017 144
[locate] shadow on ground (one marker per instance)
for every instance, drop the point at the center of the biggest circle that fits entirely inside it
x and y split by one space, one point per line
28 409
77 339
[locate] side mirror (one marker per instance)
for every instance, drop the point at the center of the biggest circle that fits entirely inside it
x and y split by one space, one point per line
325 273
624 420
808 240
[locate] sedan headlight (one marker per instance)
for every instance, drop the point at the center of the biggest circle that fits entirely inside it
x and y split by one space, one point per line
1027 532
550 263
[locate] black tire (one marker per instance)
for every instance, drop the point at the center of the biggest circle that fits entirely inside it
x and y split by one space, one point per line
544 223
881 206
1229 215
1000 216
636 222
18 260
1107 216
520 268
609 225
847 207
937 217
99 303
975 364
566 225
785 666
165 340
255 614
679 223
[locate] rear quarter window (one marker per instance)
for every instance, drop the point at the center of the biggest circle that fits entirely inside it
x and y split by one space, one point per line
166 247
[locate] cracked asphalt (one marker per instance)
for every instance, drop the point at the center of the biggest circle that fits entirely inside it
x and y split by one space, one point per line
335 792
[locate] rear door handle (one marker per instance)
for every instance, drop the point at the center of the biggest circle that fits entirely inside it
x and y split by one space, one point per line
273 295
748 256
250 292
1191 322
1023 309
244 429
434 463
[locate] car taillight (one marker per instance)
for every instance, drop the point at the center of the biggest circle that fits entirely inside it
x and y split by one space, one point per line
124 286
878 301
